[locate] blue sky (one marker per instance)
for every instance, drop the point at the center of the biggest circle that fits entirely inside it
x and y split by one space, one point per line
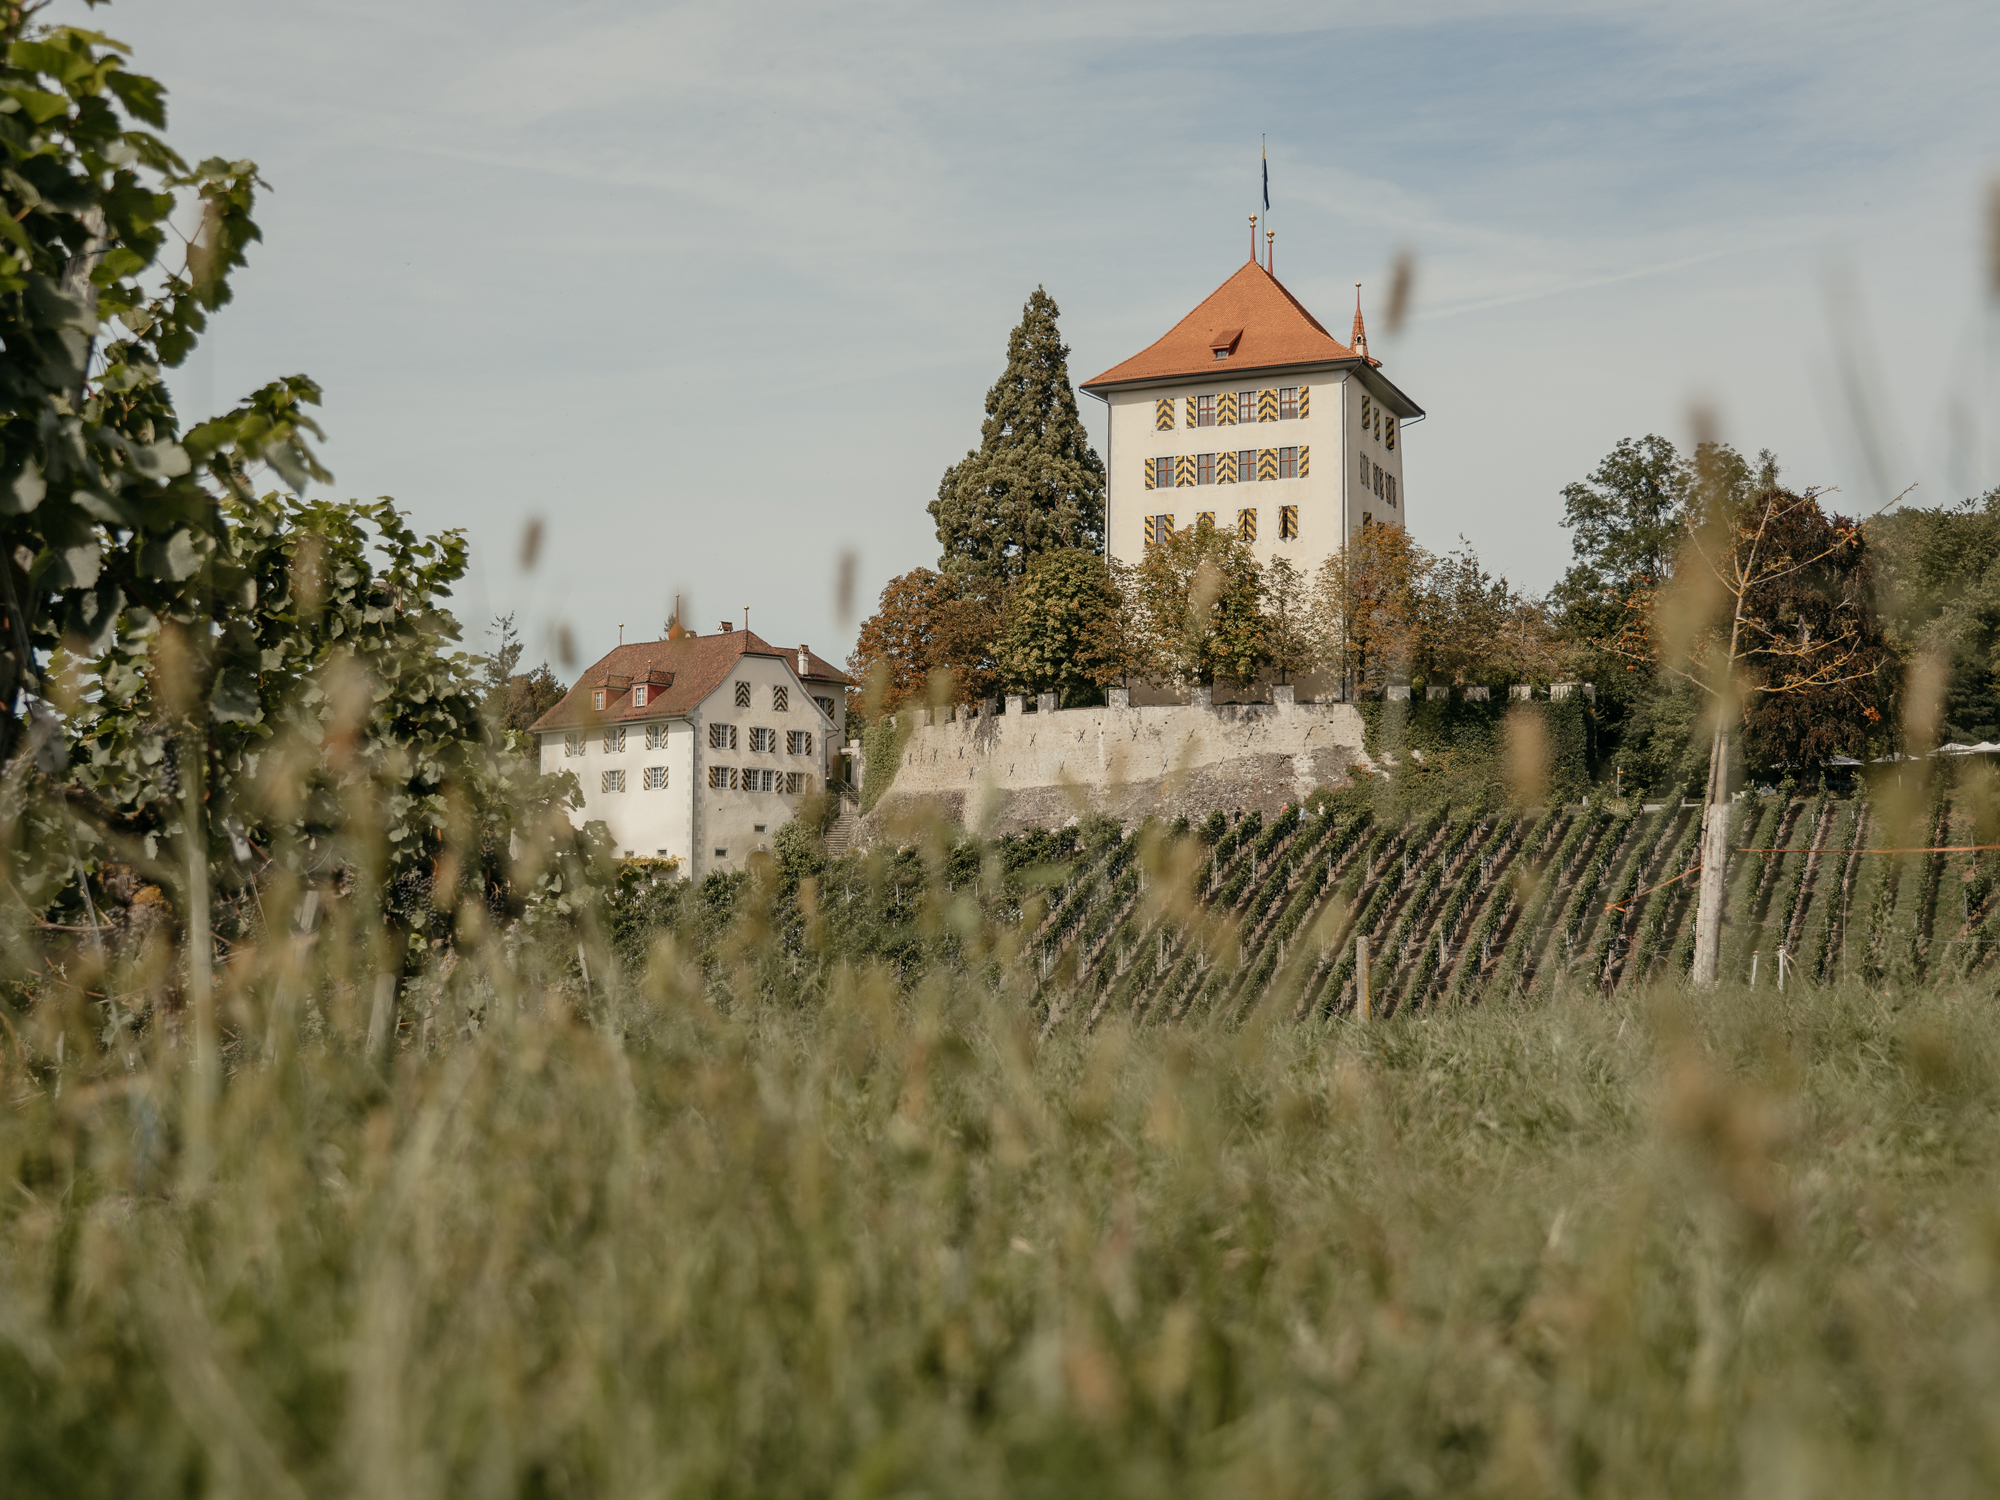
717 292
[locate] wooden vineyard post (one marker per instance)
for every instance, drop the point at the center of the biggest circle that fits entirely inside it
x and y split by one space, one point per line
1784 960
1361 1005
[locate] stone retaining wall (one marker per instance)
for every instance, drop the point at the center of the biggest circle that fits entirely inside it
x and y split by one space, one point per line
1019 770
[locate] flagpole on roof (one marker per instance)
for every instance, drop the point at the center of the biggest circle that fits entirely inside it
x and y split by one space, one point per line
1264 158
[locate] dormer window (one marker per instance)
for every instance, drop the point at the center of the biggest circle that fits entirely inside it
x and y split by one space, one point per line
639 696
1222 354
597 700
1223 340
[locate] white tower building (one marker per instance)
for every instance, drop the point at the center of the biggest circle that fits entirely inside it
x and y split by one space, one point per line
1250 415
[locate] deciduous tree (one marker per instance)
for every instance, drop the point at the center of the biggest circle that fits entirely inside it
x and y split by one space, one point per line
1368 608
1061 618
1756 578
1199 595
899 644
1287 618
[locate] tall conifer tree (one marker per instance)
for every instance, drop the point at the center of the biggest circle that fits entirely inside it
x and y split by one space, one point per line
1034 483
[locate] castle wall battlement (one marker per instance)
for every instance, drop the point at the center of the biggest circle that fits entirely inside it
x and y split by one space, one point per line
1019 770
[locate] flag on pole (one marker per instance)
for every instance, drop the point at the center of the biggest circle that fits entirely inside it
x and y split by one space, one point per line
1267 174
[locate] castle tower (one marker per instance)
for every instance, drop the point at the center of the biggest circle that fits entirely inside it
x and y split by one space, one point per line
1249 414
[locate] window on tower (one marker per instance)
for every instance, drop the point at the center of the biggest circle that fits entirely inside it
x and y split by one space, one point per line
1288 403
1204 468
1288 523
1159 529
1288 463
1163 473
1246 465
1204 411
1246 406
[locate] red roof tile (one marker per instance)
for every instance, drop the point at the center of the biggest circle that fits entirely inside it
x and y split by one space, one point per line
694 665
1276 331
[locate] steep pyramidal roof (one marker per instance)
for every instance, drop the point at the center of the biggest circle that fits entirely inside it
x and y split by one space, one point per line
1276 330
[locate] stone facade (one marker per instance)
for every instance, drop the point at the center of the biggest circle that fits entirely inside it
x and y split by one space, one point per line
1003 772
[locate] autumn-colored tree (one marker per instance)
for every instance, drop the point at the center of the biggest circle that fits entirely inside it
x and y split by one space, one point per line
1060 619
925 625
898 646
1368 609
1199 597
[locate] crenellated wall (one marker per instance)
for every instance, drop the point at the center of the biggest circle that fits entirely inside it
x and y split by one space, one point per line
1020 770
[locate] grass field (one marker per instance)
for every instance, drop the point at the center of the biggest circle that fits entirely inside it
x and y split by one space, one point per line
625 1242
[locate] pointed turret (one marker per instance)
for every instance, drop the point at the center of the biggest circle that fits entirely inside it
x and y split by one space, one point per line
1359 342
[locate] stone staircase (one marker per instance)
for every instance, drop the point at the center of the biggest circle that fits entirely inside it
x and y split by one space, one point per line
841 834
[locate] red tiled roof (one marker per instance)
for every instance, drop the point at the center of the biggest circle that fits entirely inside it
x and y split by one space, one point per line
1276 331
695 666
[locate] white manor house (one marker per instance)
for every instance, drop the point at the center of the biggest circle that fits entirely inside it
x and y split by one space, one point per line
697 748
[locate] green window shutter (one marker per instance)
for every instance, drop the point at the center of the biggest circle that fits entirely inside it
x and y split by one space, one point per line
1163 415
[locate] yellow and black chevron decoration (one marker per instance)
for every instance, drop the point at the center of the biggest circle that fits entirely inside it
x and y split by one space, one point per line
1225 409
1246 525
1267 463
1288 522
1183 470
1367 412
1149 473
1305 402
1267 406
1305 461
1163 414
1204 518
1389 433
1225 468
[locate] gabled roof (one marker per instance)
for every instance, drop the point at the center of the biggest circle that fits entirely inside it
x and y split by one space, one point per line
1276 330
684 671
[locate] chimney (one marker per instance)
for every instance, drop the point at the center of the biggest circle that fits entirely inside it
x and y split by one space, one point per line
728 625
805 658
